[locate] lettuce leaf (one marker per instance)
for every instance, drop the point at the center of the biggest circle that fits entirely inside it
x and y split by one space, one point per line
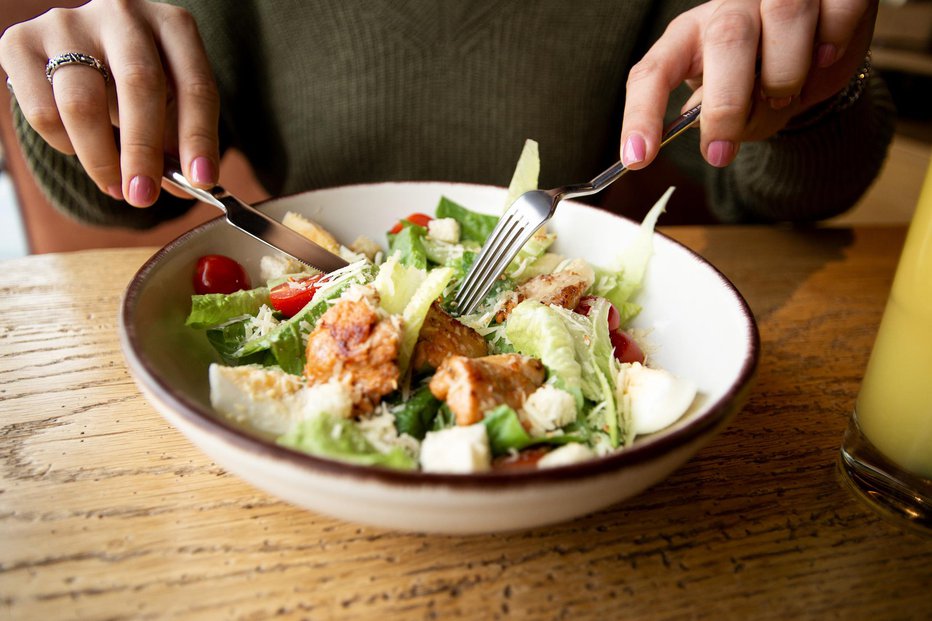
593 349
535 329
625 277
416 310
507 434
213 309
397 283
527 170
474 226
415 416
408 245
337 438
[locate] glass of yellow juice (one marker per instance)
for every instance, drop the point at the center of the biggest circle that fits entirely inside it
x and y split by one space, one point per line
886 455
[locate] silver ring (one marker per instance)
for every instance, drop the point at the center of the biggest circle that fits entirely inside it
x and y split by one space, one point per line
72 58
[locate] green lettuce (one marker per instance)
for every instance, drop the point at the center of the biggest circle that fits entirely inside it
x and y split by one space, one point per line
474 226
507 434
415 416
408 245
338 438
535 329
593 350
622 280
213 309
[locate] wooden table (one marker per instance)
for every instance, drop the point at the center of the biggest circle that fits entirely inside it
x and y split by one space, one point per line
106 512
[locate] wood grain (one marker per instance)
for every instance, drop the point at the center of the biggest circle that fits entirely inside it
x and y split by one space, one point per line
106 512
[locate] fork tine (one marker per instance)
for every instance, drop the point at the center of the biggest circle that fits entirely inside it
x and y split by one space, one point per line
483 276
499 239
486 274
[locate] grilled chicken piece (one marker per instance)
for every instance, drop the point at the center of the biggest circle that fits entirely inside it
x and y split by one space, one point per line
563 288
470 386
355 346
442 336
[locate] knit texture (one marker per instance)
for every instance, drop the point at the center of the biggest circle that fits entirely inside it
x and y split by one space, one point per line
320 94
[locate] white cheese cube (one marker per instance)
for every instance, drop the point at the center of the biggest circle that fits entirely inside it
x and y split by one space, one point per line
547 409
444 229
457 450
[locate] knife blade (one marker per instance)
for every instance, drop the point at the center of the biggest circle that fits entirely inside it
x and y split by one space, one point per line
257 224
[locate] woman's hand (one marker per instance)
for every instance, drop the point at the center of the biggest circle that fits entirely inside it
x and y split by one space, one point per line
161 92
754 65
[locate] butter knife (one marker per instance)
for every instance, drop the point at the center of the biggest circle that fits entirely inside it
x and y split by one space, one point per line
252 221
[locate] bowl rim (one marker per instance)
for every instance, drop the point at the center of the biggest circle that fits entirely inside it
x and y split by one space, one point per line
207 421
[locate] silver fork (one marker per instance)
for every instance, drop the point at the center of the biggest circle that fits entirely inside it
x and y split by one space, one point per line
528 213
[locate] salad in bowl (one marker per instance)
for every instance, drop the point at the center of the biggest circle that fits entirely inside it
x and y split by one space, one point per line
372 365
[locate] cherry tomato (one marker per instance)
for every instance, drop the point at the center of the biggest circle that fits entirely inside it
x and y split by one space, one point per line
420 219
292 295
585 305
626 349
216 273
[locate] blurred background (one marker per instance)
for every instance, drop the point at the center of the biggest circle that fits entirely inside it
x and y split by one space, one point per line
902 53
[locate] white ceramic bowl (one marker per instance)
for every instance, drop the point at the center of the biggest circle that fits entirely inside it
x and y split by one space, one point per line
687 304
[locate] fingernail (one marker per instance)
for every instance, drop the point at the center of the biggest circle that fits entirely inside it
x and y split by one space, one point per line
778 103
115 191
826 55
721 152
141 190
203 171
634 150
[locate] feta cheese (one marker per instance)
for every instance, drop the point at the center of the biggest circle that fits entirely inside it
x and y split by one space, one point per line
444 229
548 409
333 398
457 450
655 397
567 454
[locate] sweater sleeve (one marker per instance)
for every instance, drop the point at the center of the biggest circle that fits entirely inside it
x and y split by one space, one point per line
68 188
810 174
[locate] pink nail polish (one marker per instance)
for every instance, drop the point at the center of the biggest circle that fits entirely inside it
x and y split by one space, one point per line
634 150
721 152
826 54
203 171
141 191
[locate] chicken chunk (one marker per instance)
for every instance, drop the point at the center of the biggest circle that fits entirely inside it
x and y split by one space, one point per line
443 336
564 288
352 344
471 386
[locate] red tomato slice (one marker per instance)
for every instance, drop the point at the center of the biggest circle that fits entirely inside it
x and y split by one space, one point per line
626 349
292 295
216 273
420 219
585 305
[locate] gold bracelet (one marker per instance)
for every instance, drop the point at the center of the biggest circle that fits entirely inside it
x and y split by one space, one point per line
845 98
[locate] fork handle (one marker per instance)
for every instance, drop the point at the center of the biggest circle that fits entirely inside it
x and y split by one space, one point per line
616 170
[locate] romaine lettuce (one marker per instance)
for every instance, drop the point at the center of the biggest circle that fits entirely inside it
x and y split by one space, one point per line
474 226
624 278
338 438
213 309
535 329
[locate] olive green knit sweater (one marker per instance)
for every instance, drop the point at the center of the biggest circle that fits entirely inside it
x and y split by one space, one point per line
322 93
